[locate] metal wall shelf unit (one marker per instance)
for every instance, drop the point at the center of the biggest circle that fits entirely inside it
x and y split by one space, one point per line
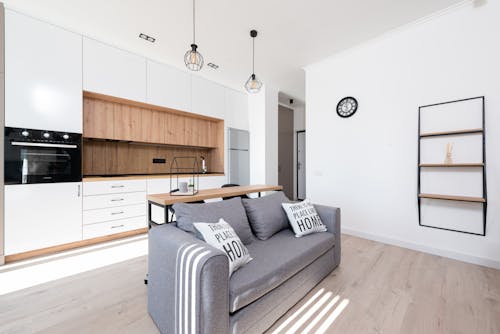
474 199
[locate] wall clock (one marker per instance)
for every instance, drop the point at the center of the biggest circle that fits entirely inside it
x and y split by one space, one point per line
347 107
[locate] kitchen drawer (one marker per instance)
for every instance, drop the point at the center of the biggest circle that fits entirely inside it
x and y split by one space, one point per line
113 200
102 215
113 227
113 187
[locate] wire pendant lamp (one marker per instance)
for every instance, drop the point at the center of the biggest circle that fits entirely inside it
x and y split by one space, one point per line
193 59
253 84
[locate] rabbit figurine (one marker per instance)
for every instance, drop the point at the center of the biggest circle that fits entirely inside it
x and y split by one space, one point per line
449 152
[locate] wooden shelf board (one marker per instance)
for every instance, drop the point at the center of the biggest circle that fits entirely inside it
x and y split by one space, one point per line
447 133
478 164
454 198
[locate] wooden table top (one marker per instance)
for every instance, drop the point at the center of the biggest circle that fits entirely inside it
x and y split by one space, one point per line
167 199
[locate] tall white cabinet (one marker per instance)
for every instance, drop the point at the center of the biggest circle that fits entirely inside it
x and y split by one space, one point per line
112 71
43 75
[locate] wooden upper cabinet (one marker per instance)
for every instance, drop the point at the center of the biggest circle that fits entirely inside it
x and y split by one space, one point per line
128 122
153 127
107 117
98 119
175 129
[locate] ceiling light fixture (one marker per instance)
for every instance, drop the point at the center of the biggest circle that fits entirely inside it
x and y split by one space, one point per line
193 59
147 38
212 65
253 84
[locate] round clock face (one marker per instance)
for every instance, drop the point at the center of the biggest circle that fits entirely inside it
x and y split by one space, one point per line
347 107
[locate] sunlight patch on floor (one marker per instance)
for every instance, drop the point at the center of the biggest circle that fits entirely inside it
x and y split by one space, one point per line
315 316
28 273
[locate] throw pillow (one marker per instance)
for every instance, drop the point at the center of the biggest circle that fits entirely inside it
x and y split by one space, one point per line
303 218
222 236
265 214
230 210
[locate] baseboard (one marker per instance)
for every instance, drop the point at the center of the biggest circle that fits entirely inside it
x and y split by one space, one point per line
425 249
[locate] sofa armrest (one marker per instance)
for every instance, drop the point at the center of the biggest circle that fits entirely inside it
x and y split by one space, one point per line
330 216
188 283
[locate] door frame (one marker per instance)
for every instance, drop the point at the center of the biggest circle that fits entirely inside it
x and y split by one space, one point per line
297 160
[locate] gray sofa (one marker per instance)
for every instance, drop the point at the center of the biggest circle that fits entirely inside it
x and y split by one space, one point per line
189 290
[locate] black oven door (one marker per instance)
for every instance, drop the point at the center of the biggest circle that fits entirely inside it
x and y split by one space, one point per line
42 162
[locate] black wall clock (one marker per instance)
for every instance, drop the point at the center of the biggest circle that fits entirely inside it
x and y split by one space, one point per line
347 107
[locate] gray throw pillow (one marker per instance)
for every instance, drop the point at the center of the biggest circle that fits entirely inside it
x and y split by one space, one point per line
266 215
231 210
223 237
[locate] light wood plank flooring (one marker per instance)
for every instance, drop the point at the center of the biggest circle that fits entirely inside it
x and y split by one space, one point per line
377 289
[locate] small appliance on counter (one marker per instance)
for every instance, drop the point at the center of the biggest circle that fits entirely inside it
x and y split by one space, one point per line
42 156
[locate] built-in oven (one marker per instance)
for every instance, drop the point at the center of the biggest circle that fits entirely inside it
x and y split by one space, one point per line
41 156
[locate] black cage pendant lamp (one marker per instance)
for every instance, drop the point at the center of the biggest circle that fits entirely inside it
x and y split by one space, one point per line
253 84
193 59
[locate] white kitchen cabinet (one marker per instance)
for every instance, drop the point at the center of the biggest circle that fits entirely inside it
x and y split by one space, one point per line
113 200
42 215
113 227
168 87
111 207
207 97
113 187
236 109
117 213
43 75
112 71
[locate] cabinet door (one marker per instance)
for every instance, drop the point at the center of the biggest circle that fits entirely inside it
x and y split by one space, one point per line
168 87
153 126
42 215
236 109
98 119
111 71
43 75
175 129
207 98
127 123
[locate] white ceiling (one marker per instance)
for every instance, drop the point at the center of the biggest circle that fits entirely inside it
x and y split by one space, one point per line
292 33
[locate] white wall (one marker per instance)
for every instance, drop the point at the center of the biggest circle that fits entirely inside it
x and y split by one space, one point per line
263 126
366 164
271 135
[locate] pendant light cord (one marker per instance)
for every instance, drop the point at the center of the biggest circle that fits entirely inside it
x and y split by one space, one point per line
253 55
194 26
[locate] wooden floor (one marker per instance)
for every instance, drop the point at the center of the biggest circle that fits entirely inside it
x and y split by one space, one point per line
377 289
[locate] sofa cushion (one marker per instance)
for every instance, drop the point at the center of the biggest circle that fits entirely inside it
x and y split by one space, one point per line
231 211
275 261
223 237
266 215
303 218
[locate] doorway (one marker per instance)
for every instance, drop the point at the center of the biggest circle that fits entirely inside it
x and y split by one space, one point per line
301 165
285 150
